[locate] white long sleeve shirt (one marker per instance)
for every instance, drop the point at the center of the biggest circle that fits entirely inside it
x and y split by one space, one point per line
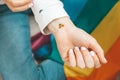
46 11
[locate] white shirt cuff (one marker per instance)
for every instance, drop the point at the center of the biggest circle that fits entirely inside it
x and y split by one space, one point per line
46 11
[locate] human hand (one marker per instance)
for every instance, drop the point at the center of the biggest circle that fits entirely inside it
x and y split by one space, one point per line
76 47
18 5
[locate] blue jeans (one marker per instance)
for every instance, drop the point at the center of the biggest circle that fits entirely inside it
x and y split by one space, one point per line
16 61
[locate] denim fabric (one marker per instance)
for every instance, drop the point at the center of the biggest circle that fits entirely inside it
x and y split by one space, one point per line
16 61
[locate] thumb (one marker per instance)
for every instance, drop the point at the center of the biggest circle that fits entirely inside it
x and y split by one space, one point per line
99 51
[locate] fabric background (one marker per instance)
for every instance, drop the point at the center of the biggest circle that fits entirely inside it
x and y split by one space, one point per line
101 19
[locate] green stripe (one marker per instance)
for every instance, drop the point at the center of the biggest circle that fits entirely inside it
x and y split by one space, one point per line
93 13
55 54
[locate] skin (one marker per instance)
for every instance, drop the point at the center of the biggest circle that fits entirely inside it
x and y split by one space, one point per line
77 48
18 5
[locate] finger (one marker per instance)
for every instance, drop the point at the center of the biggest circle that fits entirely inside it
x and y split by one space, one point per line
67 63
87 57
18 3
22 8
64 52
72 58
100 53
79 59
95 59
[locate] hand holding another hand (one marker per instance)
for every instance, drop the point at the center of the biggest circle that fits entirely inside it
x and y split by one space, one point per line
77 48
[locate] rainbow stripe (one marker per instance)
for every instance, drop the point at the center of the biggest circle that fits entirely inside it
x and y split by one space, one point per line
101 19
107 32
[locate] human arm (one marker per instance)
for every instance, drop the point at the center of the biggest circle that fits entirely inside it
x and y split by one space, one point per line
54 14
75 45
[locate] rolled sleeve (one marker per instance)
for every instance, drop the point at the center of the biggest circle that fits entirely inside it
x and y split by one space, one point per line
46 11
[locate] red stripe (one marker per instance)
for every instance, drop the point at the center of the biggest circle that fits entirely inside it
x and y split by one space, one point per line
39 40
107 71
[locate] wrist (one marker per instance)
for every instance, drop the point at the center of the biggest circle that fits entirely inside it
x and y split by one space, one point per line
60 25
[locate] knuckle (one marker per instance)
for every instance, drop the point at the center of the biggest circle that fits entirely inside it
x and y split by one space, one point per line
13 4
94 40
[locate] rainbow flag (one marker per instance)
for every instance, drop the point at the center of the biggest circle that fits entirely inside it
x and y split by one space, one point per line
101 19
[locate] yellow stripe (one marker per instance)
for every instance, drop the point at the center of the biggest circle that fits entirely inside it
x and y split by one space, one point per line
72 72
106 34
108 30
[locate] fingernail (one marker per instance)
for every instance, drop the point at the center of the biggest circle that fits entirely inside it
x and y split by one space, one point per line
105 60
83 48
77 48
71 51
92 53
30 5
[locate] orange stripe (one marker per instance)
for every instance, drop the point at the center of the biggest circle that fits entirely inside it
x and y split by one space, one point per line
75 78
109 70
108 31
